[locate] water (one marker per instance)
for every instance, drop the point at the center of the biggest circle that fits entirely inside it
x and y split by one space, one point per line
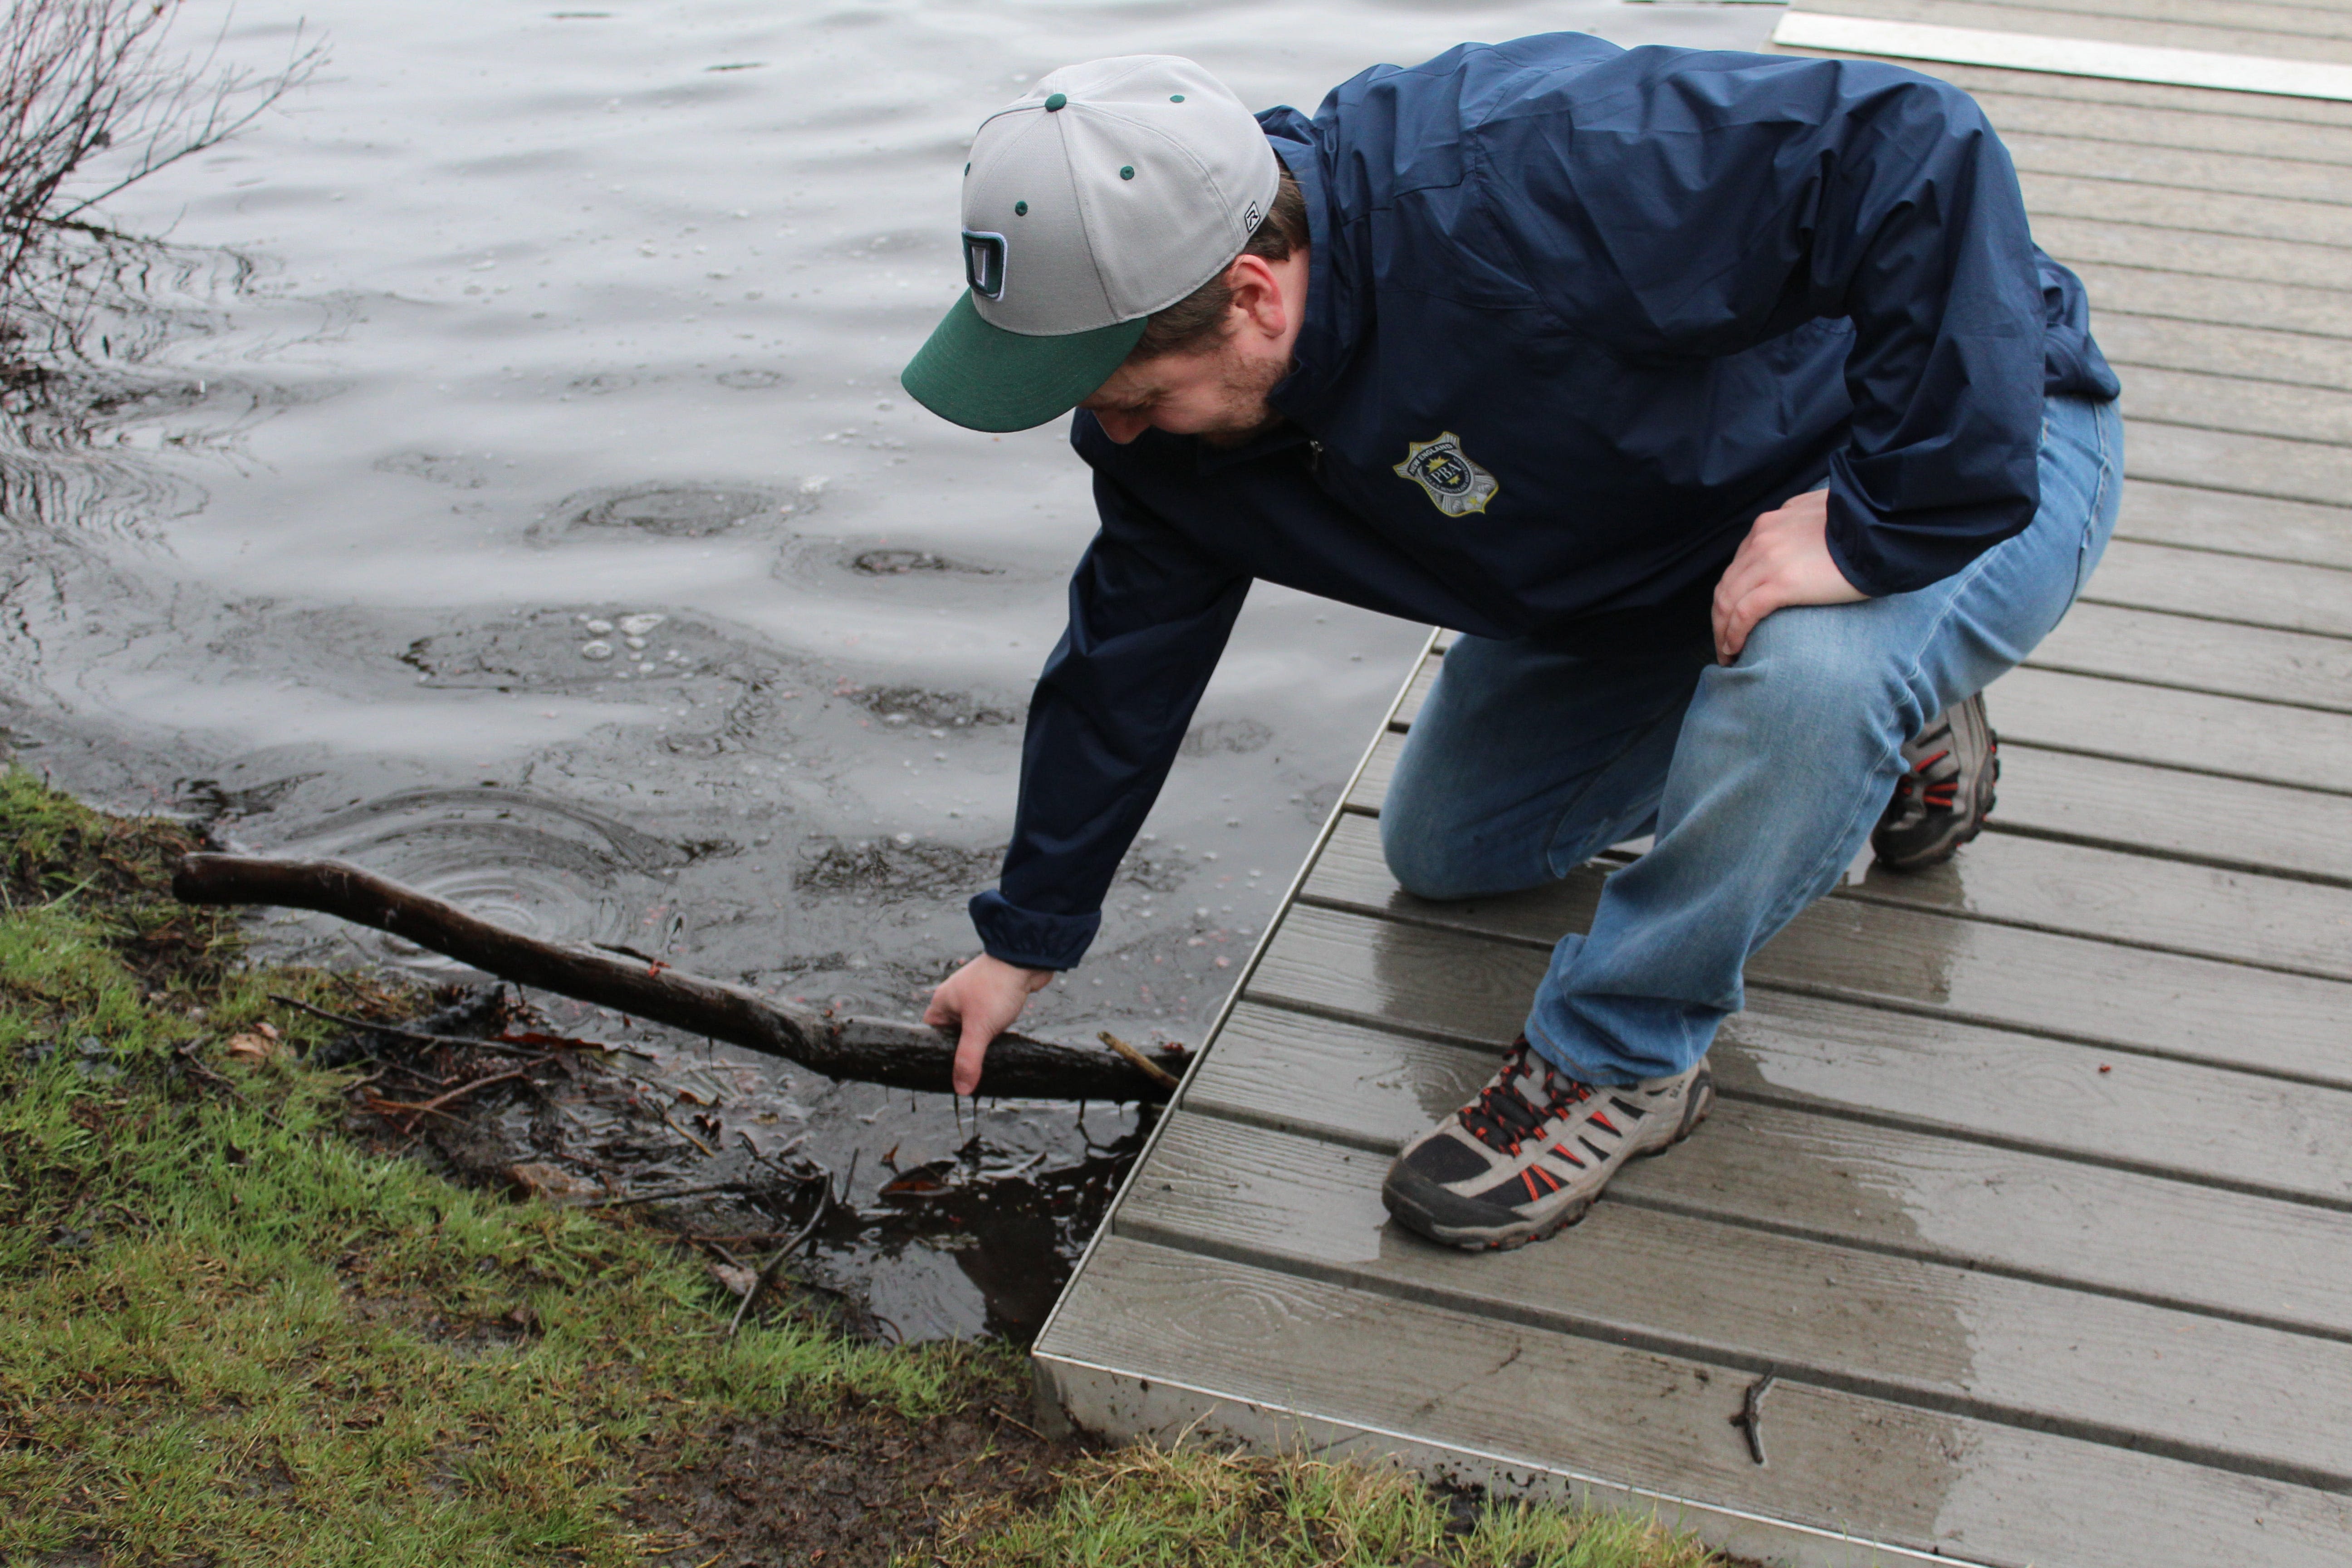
506 486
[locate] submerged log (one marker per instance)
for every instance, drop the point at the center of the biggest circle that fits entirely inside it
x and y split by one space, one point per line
869 1050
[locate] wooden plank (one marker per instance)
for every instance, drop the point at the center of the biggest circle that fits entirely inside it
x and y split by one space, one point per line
2299 598
2247 465
2192 1008
2285 178
1830 1178
2226 736
2229 823
2193 655
2183 1120
2129 805
2139 901
2013 112
2079 241
2249 1398
2106 894
2203 102
2184 297
2296 359
2125 720
2245 525
1150 1340
2073 192
2251 15
2235 403
2165 905
2072 43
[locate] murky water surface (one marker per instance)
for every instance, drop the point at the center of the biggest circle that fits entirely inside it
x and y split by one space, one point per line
508 489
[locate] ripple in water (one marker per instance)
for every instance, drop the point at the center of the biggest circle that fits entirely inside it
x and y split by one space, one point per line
671 511
539 867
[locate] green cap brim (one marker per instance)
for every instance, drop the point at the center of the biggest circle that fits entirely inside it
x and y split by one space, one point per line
985 378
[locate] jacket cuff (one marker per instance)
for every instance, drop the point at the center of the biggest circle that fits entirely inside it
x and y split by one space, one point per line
1856 550
1032 941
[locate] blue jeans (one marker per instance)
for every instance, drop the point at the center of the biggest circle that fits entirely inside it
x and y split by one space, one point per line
1761 778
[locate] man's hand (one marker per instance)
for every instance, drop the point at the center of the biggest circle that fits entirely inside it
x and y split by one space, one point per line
981 999
1785 560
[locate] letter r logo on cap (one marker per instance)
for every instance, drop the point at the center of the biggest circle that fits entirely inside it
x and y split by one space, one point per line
983 264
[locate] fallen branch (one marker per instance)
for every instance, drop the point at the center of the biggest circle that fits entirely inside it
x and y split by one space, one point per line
870 1050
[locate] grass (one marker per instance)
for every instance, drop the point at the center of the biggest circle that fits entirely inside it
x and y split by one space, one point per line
231 1333
1202 1507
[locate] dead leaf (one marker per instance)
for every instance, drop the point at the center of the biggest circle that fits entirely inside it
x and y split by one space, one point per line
735 1282
551 1181
254 1047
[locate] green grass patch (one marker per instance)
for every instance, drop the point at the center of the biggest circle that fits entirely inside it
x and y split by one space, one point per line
231 1333
228 1332
1202 1507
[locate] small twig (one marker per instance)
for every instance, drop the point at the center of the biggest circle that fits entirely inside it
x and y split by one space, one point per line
1149 1069
438 1100
663 1196
1009 1421
771 1160
351 1023
767 1275
1750 1419
708 1151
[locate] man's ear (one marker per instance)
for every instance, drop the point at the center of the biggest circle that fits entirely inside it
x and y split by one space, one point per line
1257 304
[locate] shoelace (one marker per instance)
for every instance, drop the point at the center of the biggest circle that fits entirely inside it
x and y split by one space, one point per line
1502 1117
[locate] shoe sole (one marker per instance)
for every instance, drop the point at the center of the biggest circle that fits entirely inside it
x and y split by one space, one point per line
1419 1204
1942 850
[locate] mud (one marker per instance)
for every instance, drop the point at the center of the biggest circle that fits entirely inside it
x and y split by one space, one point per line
862 1490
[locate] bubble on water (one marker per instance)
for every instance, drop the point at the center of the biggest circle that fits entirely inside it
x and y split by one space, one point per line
752 380
636 643
639 624
596 650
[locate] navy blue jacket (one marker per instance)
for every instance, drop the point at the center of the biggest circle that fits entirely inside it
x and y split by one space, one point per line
1575 316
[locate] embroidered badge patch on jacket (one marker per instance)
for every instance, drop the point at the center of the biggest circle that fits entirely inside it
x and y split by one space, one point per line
1456 486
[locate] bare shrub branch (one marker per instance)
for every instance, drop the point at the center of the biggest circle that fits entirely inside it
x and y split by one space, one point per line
89 95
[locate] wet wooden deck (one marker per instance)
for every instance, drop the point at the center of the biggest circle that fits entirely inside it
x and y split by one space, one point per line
2031 1180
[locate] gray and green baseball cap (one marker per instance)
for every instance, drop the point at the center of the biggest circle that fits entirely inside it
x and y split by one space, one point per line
1110 190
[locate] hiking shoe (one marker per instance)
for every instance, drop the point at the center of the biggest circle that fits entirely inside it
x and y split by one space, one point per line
1529 1154
1945 791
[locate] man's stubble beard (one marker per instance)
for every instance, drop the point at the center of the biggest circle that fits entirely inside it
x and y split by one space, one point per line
1247 415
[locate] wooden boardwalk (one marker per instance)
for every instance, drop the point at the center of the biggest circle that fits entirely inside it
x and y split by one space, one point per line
2031 1183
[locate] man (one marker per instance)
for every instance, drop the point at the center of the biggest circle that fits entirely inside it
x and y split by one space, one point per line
1722 400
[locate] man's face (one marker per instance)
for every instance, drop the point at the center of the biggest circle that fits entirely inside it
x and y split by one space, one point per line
1218 395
